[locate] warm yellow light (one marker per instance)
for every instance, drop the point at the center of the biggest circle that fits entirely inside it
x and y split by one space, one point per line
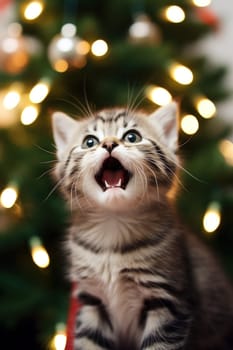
33 10
39 92
175 14
11 100
60 338
181 74
159 95
202 3
189 124
8 197
39 254
40 257
99 48
61 66
29 115
212 217
83 47
206 108
60 341
226 148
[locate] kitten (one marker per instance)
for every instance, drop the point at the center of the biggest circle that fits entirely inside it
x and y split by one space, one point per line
144 282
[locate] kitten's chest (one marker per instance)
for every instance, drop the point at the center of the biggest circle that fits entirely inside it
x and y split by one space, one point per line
109 274
122 297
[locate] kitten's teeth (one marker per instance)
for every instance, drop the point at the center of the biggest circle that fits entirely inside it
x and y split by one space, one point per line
106 184
119 183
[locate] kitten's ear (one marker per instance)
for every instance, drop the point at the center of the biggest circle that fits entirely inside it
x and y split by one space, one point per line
167 118
63 127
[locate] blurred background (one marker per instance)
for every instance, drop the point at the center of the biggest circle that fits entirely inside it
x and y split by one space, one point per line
74 55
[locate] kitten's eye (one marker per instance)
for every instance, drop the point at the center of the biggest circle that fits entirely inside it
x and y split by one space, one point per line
90 141
132 136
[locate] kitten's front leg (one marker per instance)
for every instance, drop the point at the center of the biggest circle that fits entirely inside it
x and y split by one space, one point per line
93 329
165 325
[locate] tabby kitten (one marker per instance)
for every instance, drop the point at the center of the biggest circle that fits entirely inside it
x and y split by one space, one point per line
144 282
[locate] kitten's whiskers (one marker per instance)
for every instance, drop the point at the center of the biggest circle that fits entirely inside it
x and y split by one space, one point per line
142 176
46 172
154 176
54 188
134 101
45 150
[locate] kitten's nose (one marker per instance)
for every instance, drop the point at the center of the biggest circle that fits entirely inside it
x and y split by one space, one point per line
109 145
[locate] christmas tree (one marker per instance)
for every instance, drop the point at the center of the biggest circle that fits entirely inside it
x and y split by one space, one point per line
76 56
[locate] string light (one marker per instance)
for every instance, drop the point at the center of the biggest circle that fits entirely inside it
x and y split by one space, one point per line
29 115
10 105
39 92
60 338
11 100
174 14
189 124
8 197
226 148
39 254
205 107
202 3
158 95
212 217
181 74
33 10
99 48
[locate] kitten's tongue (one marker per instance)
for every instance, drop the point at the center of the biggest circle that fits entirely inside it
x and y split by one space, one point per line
112 175
113 178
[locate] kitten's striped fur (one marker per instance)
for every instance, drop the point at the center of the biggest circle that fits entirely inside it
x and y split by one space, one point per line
145 283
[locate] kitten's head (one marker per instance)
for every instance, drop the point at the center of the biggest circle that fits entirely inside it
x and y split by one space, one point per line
116 159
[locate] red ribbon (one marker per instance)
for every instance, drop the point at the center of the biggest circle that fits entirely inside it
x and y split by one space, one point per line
72 314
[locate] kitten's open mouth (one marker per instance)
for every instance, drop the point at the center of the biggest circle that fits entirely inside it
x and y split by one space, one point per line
112 175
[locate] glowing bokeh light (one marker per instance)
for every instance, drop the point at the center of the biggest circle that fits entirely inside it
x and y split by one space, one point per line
206 108
159 95
212 217
174 14
189 124
181 74
83 47
39 92
11 100
8 197
202 3
61 65
39 254
29 115
99 48
68 30
226 149
33 10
